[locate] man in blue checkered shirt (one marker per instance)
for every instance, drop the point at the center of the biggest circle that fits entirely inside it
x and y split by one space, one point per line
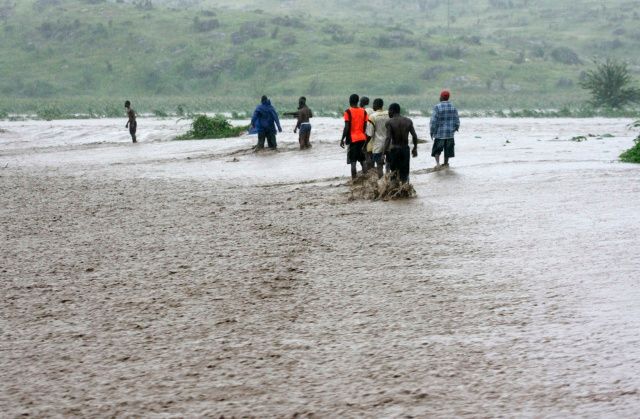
444 123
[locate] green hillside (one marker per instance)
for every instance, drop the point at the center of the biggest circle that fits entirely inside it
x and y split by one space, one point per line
82 55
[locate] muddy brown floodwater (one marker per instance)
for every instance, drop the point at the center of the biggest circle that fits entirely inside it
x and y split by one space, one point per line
190 279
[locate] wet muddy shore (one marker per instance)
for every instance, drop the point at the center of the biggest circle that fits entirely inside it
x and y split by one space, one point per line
200 279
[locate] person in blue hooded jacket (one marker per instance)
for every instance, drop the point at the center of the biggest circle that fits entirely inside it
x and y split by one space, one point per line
265 120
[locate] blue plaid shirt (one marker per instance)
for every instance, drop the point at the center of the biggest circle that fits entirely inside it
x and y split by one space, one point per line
444 120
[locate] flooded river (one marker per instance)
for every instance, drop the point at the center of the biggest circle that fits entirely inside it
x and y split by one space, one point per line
198 278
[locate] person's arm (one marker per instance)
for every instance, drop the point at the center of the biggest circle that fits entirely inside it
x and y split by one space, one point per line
367 122
434 122
345 134
310 113
296 115
254 118
412 131
128 119
371 128
387 141
457 119
298 123
275 117
370 131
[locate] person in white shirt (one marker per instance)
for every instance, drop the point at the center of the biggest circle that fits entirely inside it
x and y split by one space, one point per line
377 134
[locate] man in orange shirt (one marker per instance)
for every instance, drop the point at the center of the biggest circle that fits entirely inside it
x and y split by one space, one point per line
354 134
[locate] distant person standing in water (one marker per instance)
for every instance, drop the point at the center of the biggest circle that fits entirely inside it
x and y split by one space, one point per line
377 132
397 143
265 120
354 135
303 114
444 123
132 124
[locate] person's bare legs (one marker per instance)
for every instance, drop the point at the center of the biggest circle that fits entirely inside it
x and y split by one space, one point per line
133 128
368 160
437 160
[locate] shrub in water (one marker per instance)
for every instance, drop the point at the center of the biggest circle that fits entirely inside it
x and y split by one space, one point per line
633 154
205 127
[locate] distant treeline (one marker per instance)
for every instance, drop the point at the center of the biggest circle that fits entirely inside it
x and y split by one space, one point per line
512 53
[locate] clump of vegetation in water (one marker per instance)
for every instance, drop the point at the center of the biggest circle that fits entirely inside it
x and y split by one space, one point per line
633 154
206 127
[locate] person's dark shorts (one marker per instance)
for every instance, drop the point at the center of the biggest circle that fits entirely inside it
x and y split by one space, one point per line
305 128
133 126
356 152
399 161
444 144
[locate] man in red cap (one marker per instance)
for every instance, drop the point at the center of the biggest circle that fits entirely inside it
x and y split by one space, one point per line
444 123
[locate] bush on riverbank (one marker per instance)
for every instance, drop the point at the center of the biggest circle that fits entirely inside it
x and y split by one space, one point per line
633 154
206 127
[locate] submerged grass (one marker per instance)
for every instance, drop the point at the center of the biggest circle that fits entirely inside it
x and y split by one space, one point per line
207 127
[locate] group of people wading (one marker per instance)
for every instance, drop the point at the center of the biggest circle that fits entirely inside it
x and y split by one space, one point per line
375 138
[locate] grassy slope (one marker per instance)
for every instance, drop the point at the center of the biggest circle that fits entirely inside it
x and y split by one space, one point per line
93 55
